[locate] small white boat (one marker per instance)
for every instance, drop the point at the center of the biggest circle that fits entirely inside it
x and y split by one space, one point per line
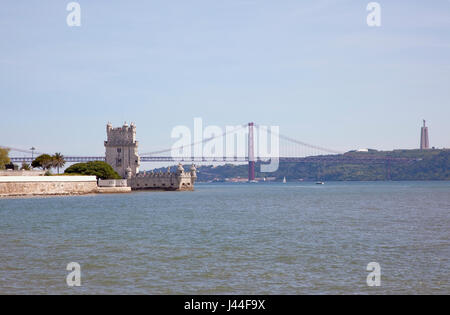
284 180
320 183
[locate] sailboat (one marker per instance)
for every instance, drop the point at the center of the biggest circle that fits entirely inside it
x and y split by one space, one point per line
319 182
284 180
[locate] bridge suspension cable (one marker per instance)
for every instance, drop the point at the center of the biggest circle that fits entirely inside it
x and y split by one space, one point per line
301 143
193 144
21 150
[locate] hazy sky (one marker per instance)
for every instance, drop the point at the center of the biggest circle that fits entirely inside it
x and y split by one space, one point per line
312 67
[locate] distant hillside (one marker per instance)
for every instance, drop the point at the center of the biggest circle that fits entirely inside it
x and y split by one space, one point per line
430 165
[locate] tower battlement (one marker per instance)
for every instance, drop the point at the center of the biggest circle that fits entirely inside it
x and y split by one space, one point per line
125 135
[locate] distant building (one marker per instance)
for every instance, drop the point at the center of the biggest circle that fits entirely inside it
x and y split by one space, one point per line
364 150
424 140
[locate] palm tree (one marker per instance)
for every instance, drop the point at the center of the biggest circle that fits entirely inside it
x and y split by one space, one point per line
58 161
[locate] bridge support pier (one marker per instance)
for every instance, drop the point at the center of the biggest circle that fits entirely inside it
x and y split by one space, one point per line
251 171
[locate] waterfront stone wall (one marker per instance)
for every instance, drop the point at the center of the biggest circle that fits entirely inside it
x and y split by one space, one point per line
11 186
113 190
112 183
22 173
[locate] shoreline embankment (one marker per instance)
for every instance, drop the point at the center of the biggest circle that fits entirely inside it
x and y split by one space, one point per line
29 186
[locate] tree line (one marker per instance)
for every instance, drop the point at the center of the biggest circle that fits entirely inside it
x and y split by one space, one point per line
46 162
43 161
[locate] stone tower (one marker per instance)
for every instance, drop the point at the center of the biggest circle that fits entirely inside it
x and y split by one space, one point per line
122 149
424 141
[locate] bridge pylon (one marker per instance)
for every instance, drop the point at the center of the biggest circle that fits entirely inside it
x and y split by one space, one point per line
251 153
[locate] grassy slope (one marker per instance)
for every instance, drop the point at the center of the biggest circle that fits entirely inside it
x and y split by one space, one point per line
430 165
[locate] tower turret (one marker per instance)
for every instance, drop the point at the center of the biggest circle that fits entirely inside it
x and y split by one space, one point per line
193 174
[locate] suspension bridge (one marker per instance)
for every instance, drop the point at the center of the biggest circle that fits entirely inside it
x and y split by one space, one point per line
283 149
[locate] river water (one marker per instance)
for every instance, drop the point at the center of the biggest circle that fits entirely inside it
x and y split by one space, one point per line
295 238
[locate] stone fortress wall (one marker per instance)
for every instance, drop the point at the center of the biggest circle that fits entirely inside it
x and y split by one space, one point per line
22 173
179 180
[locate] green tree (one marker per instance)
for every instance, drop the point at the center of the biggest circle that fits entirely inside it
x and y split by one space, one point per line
96 168
58 161
43 161
25 166
4 158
